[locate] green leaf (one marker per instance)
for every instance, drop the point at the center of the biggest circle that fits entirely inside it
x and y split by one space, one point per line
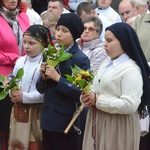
2 86
64 57
2 78
15 88
62 50
20 73
69 78
51 50
52 63
82 83
42 47
75 70
12 83
3 94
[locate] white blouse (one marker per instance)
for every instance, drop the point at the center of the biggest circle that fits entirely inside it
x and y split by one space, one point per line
31 68
119 86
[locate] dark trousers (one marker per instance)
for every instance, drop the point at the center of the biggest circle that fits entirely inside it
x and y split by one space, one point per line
145 142
5 111
59 141
4 135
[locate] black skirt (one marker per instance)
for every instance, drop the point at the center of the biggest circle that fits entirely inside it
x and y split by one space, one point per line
5 111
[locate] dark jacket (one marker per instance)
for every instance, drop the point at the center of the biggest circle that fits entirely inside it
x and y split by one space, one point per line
62 98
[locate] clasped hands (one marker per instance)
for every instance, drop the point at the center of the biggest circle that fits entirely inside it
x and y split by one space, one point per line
16 95
88 99
49 72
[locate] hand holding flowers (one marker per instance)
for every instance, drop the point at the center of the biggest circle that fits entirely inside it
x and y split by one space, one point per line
10 82
16 95
81 79
51 73
88 99
53 55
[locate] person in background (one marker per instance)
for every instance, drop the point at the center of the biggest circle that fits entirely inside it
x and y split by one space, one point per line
141 6
131 20
61 98
34 17
148 3
106 10
28 98
13 23
114 5
57 7
127 10
142 28
120 92
50 20
90 43
39 5
73 4
65 2
85 10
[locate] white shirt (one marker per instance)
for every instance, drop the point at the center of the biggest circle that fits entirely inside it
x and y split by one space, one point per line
34 17
29 79
110 14
105 23
115 62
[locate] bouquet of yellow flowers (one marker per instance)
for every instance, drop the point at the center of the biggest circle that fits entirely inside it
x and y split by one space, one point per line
54 55
10 82
82 79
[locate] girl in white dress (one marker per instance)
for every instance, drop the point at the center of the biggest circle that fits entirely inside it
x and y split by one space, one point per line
119 94
25 128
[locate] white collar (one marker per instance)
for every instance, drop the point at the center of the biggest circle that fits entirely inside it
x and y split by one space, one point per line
119 60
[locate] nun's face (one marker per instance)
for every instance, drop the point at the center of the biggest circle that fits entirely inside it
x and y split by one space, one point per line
10 4
112 45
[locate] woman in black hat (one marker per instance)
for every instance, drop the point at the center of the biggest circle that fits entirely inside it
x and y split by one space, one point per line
120 93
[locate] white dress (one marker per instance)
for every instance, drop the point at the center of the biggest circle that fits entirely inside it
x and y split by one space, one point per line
26 116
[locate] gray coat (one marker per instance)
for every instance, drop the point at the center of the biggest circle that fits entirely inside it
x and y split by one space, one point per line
95 52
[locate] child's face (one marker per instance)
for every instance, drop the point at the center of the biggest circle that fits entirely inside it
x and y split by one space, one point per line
63 36
112 45
31 46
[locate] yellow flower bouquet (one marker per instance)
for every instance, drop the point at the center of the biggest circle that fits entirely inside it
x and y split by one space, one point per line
10 82
54 55
82 79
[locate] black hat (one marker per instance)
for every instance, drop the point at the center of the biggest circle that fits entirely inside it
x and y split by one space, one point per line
73 23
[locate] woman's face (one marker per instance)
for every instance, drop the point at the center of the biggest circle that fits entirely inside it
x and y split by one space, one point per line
112 45
89 32
10 4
